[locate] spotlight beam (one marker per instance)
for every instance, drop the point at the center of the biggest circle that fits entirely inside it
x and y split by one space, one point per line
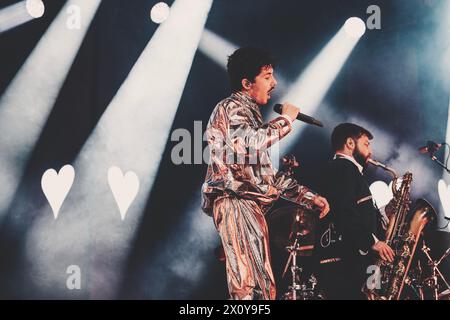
183 257
131 134
312 85
218 49
29 99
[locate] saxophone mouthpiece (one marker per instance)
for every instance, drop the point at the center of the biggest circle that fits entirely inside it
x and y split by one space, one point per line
375 162
381 165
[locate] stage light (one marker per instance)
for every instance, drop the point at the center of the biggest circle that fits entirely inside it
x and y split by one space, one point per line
355 27
35 8
14 15
160 12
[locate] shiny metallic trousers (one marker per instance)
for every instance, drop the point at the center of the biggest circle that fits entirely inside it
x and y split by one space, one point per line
245 239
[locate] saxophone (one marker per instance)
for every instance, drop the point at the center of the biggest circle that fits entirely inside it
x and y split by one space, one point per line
402 235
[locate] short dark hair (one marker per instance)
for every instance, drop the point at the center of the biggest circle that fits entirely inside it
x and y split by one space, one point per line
347 130
246 63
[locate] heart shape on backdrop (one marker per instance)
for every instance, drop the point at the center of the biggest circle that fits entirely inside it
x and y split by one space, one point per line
124 188
381 193
444 196
56 186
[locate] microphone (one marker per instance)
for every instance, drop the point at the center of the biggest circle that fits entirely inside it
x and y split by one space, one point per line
431 147
302 117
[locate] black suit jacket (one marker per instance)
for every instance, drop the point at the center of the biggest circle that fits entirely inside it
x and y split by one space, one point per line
352 213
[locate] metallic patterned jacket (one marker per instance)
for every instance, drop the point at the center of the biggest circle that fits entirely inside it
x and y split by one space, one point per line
240 164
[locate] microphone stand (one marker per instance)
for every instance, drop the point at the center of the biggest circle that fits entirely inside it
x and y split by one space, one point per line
433 280
431 149
441 164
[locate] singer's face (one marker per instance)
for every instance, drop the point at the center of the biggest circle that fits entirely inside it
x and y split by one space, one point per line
263 85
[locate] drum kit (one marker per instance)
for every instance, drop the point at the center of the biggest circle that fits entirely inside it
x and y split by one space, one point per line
429 286
293 229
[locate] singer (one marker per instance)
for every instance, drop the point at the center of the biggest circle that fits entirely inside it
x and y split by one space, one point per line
238 190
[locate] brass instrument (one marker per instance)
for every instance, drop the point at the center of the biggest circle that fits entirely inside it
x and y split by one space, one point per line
402 235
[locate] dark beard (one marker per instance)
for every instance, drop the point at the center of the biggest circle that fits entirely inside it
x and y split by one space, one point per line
360 158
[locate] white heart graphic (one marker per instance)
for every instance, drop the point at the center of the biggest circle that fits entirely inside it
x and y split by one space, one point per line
381 193
56 186
444 196
124 188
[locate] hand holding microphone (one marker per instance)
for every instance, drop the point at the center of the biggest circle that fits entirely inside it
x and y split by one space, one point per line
294 112
290 110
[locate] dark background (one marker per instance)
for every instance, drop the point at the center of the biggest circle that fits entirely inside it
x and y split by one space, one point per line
394 81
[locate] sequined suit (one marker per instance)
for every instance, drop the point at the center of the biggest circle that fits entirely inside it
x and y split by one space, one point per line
240 187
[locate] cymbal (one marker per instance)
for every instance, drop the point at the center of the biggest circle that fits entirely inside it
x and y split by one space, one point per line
291 222
290 211
444 295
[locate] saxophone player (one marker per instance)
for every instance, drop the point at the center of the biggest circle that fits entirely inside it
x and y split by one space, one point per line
355 220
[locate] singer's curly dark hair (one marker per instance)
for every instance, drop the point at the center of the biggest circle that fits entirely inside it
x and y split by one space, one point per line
347 130
246 63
